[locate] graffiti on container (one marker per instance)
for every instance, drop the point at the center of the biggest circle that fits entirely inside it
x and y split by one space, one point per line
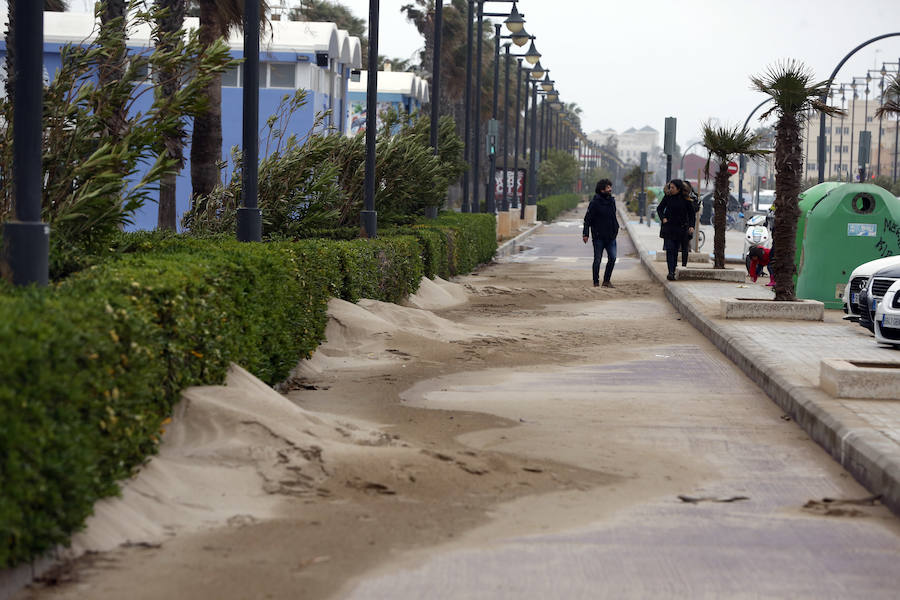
891 234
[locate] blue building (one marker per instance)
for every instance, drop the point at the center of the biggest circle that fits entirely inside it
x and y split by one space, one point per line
317 57
398 90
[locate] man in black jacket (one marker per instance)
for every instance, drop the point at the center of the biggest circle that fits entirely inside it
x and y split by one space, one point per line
600 221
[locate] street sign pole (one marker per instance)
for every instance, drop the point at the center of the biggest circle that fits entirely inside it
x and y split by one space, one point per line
669 145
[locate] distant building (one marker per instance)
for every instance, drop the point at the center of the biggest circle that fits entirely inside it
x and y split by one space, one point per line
634 141
843 142
398 90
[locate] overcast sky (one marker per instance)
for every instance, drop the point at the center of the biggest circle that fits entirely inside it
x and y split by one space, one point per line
633 63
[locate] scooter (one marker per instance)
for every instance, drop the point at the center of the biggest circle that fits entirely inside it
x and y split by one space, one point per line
757 234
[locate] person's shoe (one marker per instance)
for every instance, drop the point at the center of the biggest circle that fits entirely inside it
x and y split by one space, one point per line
596 284
771 283
670 277
608 285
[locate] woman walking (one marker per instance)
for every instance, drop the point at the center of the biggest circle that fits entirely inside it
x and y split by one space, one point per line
676 222
693 203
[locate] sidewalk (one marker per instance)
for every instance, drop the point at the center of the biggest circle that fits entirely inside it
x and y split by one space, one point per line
783 358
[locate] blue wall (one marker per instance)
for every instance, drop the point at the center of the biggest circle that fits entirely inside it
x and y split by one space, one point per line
232 117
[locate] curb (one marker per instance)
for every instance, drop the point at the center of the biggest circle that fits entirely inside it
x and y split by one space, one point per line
508 248
863 452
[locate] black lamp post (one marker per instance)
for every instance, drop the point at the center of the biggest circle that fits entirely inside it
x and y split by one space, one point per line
26 238
249 217
740 156
467 127
368 216
432 211
824 96
515 24
516 146
505 205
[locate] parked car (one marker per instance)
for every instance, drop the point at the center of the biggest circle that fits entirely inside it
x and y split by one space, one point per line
858 279
887 317
873 292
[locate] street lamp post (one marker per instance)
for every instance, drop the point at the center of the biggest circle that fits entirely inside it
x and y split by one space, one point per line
514 23
505 205
741 156
468 108
824 95
249 217
26 238
515 198
368 216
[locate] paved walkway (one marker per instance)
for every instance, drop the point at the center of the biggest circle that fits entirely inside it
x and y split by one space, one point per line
783 358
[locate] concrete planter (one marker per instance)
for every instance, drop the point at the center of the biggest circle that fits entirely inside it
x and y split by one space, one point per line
693 257
762 308
705 273
860 379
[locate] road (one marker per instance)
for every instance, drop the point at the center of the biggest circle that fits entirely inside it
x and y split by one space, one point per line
547 439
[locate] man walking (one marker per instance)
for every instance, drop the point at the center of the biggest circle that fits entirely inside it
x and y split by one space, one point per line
600 221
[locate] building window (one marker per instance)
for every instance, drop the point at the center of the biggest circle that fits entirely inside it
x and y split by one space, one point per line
811 166
869 119
282 75
232 77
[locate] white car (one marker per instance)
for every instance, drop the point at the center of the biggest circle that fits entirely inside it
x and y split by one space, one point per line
887 317
858 279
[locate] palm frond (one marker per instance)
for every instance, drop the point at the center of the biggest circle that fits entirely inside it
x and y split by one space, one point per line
891 104
791 85
726 141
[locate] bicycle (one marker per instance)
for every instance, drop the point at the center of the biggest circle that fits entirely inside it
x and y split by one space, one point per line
701 238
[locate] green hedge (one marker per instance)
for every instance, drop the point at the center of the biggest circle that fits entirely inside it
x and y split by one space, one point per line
90 367
550 207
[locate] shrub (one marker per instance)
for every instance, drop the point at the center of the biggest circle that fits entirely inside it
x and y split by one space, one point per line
90 367
549 208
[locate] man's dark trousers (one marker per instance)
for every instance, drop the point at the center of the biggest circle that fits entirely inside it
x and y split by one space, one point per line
599 247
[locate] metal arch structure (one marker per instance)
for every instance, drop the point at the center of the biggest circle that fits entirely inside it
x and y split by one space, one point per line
820 155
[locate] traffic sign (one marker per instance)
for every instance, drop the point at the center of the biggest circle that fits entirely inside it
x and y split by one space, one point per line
732 168
763 178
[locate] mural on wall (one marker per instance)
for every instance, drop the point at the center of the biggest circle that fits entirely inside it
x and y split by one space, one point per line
358 116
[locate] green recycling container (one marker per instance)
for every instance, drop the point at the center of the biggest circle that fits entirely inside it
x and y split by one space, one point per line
850 225
806 201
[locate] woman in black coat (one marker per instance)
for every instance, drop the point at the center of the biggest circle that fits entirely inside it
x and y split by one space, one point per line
676 222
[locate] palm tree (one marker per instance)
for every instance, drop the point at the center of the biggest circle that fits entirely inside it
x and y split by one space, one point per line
217 18
724 142
113 14
170 21
795 94
891 104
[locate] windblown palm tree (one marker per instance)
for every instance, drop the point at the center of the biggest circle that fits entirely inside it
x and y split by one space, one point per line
170 21
891 104
796 95
217 18
724 143
113 16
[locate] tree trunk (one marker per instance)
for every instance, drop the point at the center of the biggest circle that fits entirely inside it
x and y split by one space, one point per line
173 145
111 69
788 164
720 205
206 142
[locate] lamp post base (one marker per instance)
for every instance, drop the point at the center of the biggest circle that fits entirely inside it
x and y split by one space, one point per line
26 252
431 212
530 214
369 222
249 225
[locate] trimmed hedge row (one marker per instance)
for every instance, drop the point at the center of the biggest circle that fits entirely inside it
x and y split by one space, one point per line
550 207
90 367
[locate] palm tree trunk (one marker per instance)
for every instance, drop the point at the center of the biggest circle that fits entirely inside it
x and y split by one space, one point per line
173 145
720 205
206 142
112 19
788 162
